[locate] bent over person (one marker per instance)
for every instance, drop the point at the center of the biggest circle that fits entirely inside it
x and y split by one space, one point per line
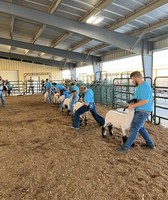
143 108
88 105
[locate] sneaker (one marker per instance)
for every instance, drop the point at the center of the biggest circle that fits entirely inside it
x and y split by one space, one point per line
74 128
151 146
121 149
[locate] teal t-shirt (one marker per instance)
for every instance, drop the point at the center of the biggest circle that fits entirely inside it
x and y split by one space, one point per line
89 96
67 94
144 92
60 86
74 88
48 85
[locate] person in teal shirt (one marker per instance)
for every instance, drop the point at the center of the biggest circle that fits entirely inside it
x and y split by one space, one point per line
67 95
48 88
75 92
88 105
143 108
60 88
54 89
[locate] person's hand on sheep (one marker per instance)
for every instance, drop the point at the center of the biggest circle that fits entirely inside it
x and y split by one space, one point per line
130 107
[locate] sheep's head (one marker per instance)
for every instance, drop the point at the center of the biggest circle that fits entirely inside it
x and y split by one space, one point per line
132 101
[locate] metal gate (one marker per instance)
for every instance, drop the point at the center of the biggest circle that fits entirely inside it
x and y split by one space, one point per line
160 99
123 91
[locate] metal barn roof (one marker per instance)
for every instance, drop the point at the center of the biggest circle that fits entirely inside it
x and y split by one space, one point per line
57 30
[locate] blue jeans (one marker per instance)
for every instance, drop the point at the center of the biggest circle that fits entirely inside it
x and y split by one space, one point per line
76 120
2 99
49 96
137 126
74 100
61 105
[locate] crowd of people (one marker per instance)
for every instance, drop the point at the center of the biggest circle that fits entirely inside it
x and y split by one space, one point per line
70 90
142 108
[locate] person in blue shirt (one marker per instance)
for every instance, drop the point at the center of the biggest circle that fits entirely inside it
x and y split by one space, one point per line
60 88
75 95
54 89
143 108
48 88
67 95
1 92
88 105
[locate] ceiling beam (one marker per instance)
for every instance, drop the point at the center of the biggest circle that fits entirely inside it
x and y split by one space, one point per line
107 36
94 11
12 26
51 10
50 50
54 6
36 60
143 10
151 27
101 46
100 6
61 38
79 44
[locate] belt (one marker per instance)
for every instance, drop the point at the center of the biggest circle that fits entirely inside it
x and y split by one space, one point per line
144 111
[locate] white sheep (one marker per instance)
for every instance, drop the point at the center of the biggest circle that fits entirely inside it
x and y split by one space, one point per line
66 104
61 99
77 105
45 96
118 120
56 98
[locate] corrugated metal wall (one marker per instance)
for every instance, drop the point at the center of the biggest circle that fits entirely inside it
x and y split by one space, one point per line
161 44
158 45
116 55
24 67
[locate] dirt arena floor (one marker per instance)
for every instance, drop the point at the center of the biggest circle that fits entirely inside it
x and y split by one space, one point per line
41 158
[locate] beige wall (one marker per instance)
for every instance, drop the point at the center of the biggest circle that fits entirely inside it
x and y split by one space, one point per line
24 67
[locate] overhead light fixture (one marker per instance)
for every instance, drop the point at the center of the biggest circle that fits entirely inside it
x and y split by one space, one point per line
94 20
98 20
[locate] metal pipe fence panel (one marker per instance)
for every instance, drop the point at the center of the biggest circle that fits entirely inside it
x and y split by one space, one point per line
160 99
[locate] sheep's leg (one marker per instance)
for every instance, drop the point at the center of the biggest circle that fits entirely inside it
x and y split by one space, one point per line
62 109
111 129
86 120
72 117
110 126
124 138
80 120
68 112
103 131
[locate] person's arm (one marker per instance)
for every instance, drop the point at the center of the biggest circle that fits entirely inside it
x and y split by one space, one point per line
138 104
86 104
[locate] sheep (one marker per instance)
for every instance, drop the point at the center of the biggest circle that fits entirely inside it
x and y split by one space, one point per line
45 96
56 98
118 120
61 98
77 105
66 104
